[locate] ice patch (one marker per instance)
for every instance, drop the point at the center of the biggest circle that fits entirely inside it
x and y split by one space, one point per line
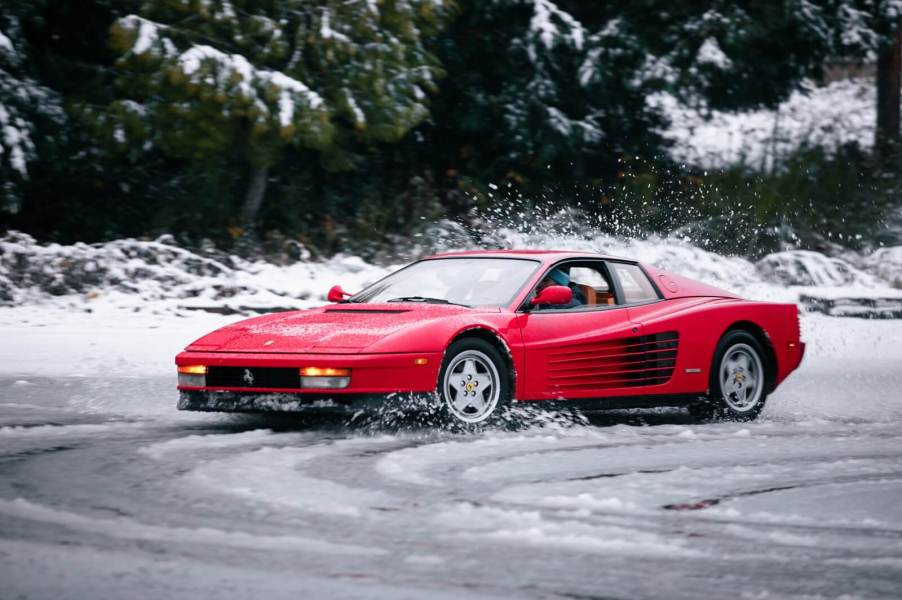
130 529
468 521
215 441
276 477
66 431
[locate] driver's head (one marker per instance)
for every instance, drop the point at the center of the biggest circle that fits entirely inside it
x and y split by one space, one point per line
554 277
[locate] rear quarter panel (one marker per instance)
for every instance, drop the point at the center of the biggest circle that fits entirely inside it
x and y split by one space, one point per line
701 322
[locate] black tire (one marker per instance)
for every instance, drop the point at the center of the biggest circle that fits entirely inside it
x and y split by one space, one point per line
739 382
488 364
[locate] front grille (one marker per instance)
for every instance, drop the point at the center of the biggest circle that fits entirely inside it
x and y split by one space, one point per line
253 377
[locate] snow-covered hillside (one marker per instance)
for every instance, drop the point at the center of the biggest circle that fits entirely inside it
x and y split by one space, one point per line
843 112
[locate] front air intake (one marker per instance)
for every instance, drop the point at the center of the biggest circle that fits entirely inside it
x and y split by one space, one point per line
253 377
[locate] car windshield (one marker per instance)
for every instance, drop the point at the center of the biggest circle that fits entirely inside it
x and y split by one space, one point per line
465 281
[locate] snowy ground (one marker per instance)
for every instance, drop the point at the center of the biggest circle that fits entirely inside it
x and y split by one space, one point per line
107 492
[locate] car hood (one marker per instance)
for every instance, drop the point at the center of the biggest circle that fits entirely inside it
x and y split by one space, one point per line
334 328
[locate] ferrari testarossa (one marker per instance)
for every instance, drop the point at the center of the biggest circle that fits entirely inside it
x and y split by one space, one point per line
478 331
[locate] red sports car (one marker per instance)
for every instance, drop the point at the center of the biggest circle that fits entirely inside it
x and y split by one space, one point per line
478 331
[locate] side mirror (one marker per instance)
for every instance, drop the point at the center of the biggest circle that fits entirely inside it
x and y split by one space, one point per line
553 294
336 294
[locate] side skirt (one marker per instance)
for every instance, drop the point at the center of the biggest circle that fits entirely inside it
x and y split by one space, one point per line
617 402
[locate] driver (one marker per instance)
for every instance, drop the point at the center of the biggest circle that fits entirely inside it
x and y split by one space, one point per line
559 277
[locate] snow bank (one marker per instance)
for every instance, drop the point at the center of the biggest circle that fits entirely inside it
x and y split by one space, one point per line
159 277
137 275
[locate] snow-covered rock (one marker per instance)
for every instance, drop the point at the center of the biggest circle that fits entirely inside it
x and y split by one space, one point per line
807 268
886 263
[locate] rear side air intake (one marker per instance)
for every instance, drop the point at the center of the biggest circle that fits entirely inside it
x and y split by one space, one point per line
626 362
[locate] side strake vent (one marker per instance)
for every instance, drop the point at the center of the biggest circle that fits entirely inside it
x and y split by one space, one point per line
627 362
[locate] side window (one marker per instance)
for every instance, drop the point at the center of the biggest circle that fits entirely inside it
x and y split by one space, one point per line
636 286
587 276
589 282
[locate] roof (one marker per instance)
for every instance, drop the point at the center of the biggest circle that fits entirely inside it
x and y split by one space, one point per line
544 255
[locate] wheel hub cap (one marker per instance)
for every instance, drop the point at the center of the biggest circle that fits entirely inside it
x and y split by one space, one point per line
471 387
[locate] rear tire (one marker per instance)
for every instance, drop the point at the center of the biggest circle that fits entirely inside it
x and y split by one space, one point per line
473 383
739 380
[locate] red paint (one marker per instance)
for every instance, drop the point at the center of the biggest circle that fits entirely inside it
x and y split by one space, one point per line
553 294
568 353
336 294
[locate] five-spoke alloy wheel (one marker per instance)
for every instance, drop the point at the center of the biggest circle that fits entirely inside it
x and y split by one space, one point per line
739 379
473 382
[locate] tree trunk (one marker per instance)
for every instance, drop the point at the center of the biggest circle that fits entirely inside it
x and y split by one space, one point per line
255 192
889 76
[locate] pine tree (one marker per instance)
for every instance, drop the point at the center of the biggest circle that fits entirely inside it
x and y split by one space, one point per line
872 29
205 78
31 115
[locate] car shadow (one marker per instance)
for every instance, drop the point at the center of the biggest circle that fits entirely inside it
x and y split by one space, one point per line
411 422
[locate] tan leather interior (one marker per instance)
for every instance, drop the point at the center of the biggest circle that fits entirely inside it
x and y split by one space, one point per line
588 292
605 298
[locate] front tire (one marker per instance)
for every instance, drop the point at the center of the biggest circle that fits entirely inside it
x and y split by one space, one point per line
739 379
473 383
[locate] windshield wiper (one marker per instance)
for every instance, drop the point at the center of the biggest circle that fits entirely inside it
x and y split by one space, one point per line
426 300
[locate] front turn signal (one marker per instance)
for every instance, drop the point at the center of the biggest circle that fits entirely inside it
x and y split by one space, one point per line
325 372
193 369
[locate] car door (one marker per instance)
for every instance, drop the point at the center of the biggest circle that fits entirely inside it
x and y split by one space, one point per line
576 352
660 334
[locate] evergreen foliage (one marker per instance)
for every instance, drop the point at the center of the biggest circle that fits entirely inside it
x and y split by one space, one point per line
31 115
357 120
207 79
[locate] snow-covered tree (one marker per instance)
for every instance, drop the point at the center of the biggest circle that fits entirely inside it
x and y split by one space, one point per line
202 78
30 113
872 29
541 88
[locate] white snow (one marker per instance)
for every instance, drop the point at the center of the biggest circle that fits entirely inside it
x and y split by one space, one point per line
843 112
15 140
543 25
6 44
148 32
126 528
709 53
231 71
276 477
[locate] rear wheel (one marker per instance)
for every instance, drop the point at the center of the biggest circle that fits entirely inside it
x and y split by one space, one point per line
739 378
473 383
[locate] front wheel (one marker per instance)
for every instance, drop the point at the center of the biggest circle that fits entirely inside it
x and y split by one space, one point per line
738 385
473 383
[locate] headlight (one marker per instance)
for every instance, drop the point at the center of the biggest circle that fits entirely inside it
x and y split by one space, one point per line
192 375
325 377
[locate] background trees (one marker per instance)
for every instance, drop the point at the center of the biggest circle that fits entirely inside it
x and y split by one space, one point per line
345 123
245 79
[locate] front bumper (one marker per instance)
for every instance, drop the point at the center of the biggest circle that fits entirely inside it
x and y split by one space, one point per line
377 374
264 402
